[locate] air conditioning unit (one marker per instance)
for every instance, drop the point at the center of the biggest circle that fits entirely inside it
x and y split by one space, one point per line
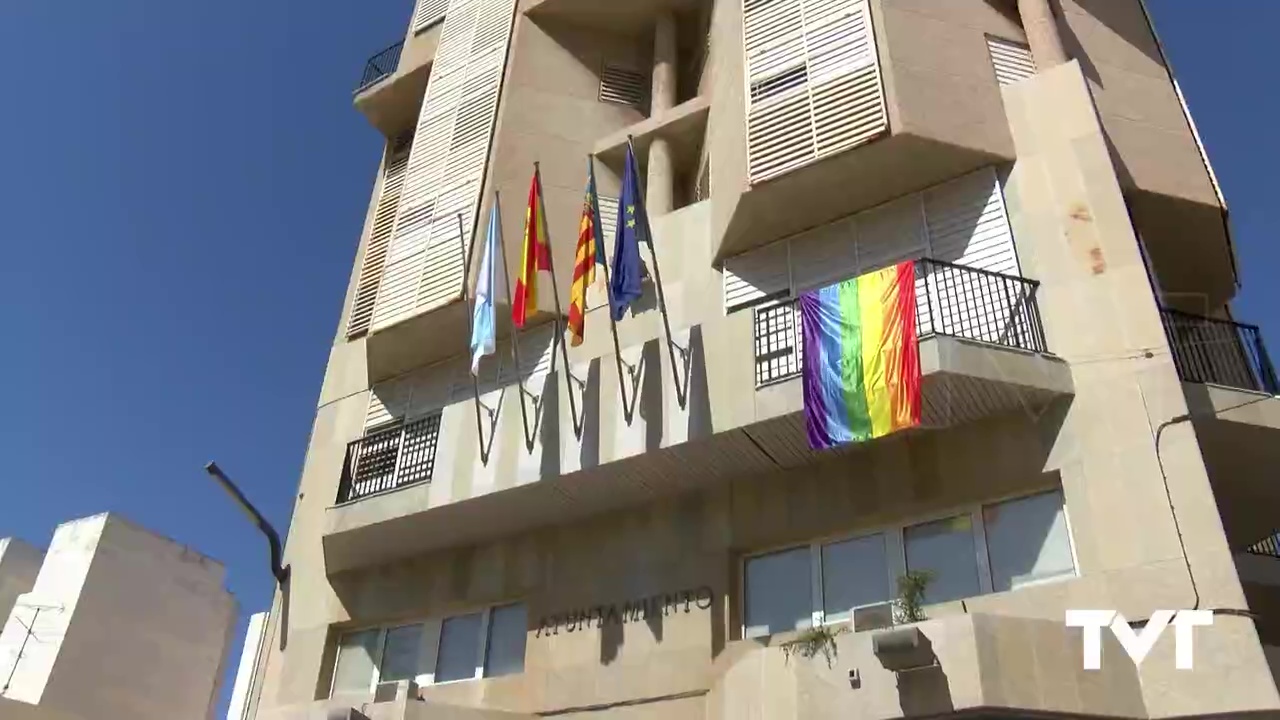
873 617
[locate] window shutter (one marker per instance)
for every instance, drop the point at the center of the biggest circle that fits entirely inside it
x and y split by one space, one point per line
756 276
814 81
968 226
424 266
375 252
428 13
1012 60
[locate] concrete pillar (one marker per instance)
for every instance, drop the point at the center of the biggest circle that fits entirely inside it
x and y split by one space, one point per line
1043 34
660 196
663 95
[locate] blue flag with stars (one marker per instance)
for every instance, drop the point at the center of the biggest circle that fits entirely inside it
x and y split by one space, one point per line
633 228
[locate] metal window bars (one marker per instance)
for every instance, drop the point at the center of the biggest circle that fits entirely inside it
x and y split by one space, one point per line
951 300
390 459
1220 352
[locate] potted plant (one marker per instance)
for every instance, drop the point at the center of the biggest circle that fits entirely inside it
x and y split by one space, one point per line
909 606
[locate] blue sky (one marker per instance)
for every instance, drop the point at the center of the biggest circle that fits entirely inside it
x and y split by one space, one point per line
182 187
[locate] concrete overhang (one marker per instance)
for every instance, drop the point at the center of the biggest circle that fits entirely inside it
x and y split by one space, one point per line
963 381
617 16
683 126
1239 434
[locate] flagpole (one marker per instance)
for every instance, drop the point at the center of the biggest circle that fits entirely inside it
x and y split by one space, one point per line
555 293
608 291
681 394
468 255
515 332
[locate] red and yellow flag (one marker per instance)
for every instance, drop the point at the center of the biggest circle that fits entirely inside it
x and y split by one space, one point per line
590 252
534 256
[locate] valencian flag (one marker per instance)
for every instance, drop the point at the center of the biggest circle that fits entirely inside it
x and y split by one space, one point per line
633 228
590 252
861 357
535 255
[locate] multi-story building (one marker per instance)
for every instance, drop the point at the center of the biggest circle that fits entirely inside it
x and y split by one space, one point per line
646 533
113 622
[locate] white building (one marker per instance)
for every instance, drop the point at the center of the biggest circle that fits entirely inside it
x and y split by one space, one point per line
118 623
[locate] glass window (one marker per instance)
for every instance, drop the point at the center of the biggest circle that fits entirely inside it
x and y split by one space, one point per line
459 648
779 592
854 573
354 671
1027 541
401 654
944 548
504 648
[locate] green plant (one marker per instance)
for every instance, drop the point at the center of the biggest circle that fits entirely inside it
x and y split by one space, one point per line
809 643
910 602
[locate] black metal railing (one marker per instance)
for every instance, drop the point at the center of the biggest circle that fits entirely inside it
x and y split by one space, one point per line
380 66
951 300
1220 352
390 459
1268 546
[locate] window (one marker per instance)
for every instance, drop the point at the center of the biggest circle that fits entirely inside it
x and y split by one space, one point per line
855 573
488 643
504 651
1028 541
945 549
993 548
778 592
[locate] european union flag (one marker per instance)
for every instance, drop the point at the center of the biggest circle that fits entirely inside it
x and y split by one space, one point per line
633 228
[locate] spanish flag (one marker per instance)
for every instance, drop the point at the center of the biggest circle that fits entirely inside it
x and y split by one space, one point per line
534 256
590 252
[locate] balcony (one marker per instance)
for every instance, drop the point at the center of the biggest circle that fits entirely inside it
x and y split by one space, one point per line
983 355
394 81
1219 352
380 66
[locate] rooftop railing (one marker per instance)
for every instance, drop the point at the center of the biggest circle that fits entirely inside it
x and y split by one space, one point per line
381 65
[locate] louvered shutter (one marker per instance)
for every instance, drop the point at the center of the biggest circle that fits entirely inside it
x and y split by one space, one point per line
814 81
1012 60
388 402
375 252
428 13
757 276
424 266
622 85
968 225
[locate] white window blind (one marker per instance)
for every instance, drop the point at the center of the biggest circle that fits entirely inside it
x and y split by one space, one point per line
813 79
428 13
1012 60
375 252
424 264
962 221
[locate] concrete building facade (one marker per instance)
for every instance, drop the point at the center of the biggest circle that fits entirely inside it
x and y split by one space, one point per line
645 533
118 624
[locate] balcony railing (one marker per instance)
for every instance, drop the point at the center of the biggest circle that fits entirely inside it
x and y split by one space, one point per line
1220 352
390 459
380 66
951 300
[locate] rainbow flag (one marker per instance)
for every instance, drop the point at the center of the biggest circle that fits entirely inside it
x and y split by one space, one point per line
861 357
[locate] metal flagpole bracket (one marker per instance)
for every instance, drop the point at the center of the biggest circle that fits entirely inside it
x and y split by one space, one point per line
682 394
515 331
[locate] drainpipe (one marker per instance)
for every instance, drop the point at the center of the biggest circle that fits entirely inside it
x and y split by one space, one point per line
1043 34
659 199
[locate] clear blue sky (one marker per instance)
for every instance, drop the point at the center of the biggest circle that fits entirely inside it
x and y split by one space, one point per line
182 186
